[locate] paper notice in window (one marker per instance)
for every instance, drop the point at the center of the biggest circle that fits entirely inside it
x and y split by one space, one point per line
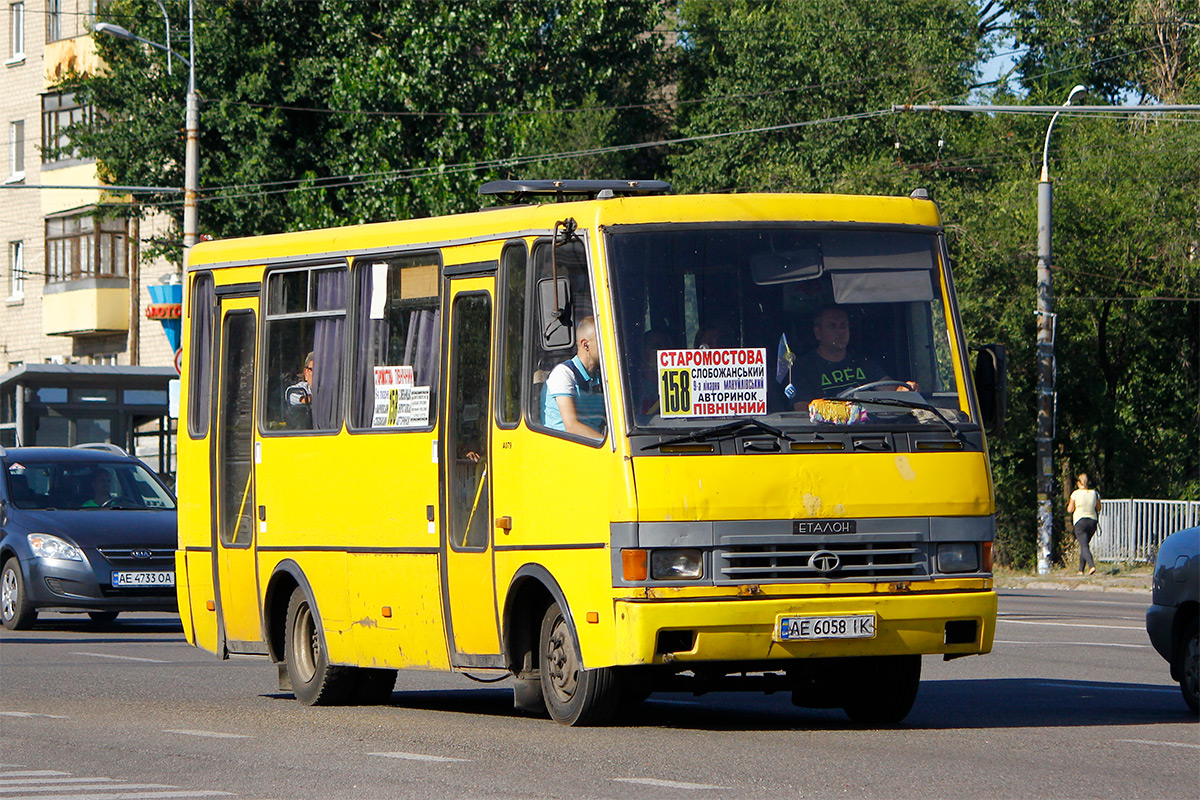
379 276
393 397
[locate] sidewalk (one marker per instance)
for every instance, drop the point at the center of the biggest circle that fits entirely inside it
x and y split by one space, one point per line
1108 578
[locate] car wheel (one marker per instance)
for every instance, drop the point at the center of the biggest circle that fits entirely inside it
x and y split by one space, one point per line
1189 671
314 680
881 690
16 612
103 617
574 695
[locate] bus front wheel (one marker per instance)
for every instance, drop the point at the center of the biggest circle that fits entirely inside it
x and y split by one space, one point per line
881 690
574 695
314 681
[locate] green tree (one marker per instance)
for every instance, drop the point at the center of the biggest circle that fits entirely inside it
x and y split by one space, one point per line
343 111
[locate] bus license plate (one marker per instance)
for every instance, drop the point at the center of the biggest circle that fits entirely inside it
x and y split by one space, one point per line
857 626
158 578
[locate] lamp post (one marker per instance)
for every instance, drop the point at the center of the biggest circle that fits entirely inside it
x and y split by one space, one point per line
191 160
1045 355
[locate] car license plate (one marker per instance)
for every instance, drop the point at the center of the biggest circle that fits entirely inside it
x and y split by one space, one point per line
154 578
856 626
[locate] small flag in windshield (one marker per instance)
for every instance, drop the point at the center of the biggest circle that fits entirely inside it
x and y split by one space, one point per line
783 367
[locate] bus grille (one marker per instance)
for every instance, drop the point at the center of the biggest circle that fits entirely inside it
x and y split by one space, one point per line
860 558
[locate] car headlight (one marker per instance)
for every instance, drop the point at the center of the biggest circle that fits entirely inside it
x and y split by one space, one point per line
46 546
676 565
958 557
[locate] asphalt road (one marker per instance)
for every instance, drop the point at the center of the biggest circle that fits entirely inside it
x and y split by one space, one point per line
1073 702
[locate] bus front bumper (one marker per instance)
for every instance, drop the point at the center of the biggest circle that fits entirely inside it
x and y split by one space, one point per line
745 629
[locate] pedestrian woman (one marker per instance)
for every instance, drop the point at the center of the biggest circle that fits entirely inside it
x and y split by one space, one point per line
1084 507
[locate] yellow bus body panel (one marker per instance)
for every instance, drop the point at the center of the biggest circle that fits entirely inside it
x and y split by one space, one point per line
812 486
740 629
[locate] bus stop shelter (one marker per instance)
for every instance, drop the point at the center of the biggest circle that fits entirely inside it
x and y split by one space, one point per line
62 405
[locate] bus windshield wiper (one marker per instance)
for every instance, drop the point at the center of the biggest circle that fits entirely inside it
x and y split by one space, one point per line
723 431
919 405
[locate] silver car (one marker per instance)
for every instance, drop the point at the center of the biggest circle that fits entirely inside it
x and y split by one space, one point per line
1173 620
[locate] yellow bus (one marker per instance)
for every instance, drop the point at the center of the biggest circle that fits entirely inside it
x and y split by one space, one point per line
620 443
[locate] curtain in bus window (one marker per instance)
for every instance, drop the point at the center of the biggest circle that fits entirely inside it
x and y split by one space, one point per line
200 379
327 350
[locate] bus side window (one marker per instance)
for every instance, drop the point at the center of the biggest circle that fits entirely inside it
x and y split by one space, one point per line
305 333
396 348
545 353
202 310
514 268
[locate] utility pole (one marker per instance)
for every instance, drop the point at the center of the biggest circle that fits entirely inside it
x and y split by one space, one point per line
1046 397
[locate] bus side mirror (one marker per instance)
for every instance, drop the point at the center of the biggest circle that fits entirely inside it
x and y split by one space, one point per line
554 307
991 385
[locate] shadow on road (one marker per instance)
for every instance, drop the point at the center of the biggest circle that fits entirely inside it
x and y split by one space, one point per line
941 705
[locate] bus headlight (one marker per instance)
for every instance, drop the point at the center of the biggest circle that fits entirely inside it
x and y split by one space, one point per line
676 565
44 545
958 557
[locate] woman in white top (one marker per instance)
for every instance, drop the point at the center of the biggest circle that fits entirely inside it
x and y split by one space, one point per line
1084 507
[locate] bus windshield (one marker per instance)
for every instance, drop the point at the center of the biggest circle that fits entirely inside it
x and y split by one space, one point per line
800 327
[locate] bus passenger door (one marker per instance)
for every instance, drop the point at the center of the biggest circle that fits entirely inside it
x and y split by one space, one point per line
233 535
468 570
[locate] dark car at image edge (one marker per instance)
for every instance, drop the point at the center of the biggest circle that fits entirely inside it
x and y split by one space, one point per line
1173 620
86 528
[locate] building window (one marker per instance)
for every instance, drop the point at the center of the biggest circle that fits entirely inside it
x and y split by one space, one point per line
16 270
85 247
16 150
58 111
53 20
16 18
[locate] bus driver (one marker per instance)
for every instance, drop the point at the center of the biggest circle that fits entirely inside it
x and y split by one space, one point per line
573 400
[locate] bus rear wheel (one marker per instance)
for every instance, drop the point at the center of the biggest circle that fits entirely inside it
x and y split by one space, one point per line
881 690
574 695
314 681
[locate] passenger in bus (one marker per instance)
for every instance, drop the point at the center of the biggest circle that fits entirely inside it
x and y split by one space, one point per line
831 367
297 399
714 337
652 342
300 393
572 398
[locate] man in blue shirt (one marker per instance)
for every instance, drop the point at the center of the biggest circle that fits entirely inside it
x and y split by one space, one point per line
572 399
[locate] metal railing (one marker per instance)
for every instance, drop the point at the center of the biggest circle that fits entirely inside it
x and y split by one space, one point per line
1131 530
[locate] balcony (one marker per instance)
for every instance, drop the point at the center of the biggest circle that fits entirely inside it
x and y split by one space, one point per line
86 307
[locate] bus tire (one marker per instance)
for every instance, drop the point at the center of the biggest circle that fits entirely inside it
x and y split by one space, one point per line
574 695
881 690
314 681
373 687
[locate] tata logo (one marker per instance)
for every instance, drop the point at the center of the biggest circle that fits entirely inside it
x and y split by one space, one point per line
147 554
824 561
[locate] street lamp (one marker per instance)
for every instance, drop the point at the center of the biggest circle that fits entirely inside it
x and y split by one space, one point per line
191 160
1045 355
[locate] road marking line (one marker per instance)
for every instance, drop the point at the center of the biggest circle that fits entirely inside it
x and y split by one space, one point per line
30 715
31 773
85 787
123 658
416 757
32 781
668 784
1161 744
1072 625
212 734
125 795
1106 688
1081 644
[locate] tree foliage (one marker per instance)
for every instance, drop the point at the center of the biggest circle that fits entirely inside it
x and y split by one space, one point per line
337 112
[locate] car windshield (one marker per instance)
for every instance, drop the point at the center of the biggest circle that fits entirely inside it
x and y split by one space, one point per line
66 485
721 323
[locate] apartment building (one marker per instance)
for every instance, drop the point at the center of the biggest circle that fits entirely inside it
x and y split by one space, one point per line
83 317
